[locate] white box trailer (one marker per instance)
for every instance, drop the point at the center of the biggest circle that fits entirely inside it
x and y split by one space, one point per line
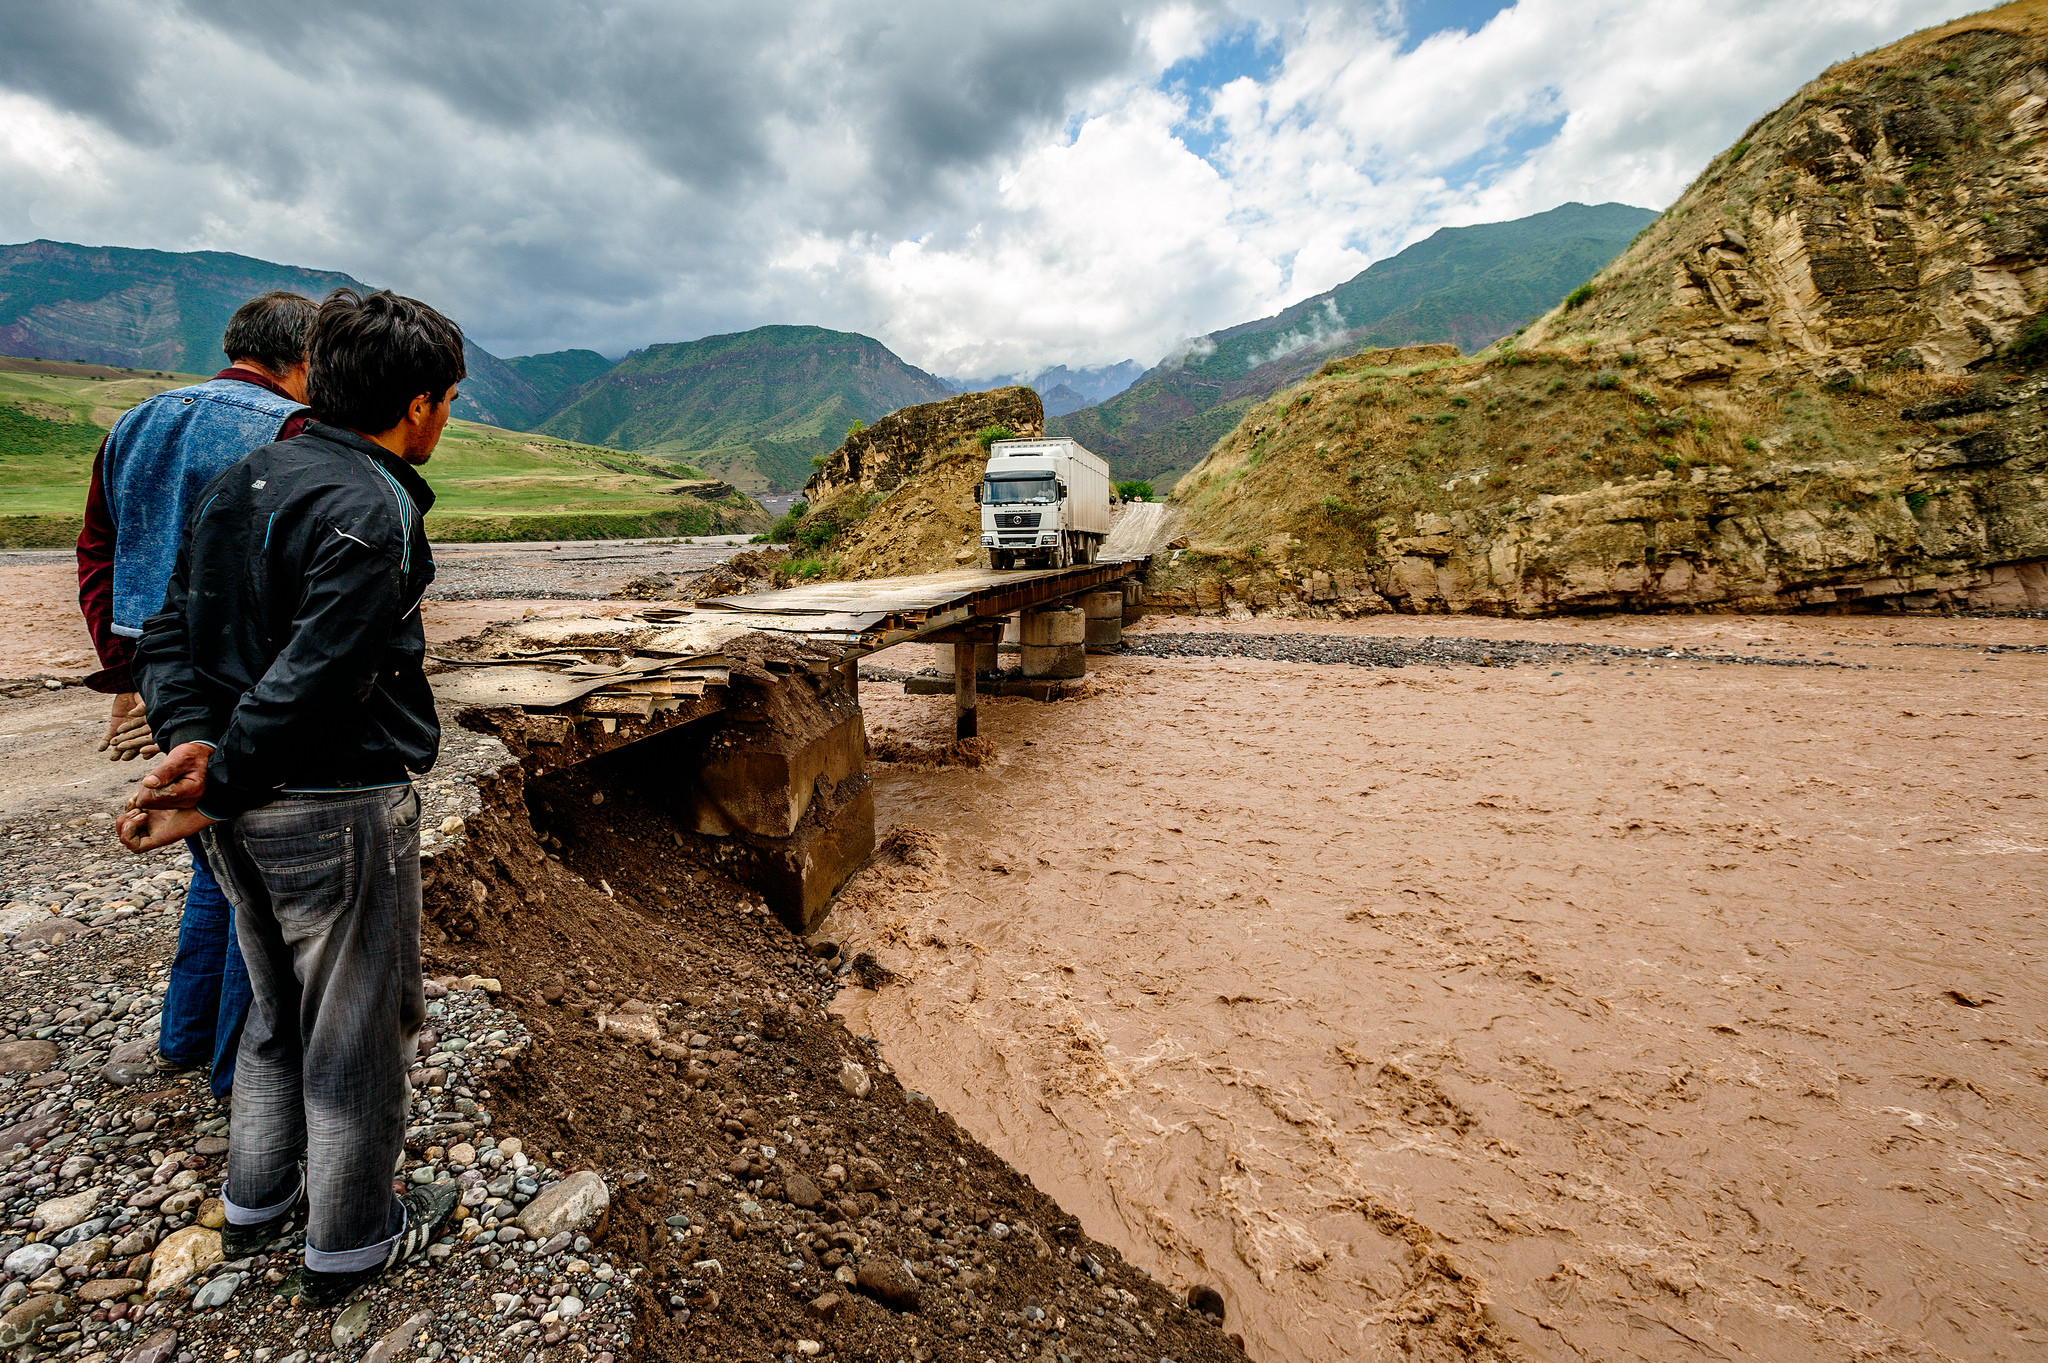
1044 503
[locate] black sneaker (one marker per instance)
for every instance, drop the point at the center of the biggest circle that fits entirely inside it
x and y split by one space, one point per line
426 1211
239 1242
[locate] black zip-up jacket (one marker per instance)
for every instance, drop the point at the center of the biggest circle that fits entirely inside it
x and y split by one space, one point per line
290 637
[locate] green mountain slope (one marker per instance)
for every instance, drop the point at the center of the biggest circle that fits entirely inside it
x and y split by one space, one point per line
166 310
1464 285
754 407
557 374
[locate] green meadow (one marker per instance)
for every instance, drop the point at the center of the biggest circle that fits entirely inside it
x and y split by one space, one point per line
489 483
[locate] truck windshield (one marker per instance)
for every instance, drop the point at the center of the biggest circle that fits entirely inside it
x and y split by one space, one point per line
1011 490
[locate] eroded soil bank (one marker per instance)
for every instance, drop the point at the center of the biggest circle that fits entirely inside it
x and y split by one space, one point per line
783 1193
1675 1010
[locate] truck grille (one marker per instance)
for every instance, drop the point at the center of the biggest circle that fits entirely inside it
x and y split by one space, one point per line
1016 520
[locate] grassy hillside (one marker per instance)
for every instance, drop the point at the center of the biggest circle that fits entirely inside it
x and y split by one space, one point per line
754 407
1464 285
557 374
1819 381
110 305
490 483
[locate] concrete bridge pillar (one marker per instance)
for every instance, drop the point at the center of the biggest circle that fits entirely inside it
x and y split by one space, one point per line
1104 613
1053 642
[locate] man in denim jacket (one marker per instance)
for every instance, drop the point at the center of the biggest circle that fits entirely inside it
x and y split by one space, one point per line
285 678
145 484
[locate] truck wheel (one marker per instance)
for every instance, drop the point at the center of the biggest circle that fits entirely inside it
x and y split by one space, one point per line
999 559
1086 553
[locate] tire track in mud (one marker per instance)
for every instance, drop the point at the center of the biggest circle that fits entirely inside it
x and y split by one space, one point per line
1589 1016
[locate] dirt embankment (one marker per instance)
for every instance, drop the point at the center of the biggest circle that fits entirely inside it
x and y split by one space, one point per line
786 1192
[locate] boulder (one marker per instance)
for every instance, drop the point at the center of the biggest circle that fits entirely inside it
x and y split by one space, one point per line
890 1282
800 1191
573 1203
182 1254
350 1325
30 1261
49 932
216 1292
22 1324
398 1342
160 1347
107 1289
62 1213
27 1057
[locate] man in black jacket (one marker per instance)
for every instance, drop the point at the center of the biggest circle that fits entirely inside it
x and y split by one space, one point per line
283 681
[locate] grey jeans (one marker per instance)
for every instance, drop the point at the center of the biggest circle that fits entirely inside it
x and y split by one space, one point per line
326 891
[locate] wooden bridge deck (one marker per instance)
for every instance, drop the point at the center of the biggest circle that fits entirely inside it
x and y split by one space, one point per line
672 653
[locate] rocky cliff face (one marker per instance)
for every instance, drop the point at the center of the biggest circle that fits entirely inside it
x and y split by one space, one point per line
882 457
1811 384
1887 215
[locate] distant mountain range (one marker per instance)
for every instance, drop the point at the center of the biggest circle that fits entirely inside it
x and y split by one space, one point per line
1465 285
1061 389
166 310
755 407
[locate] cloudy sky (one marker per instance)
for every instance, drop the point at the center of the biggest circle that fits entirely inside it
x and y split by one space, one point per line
987 187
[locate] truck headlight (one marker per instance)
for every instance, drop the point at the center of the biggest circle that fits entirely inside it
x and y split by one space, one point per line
1048 539
989 540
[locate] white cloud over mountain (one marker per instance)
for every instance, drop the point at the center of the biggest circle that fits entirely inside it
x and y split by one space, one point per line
987 188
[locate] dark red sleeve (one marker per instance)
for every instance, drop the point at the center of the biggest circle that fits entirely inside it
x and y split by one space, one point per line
292 426
96 587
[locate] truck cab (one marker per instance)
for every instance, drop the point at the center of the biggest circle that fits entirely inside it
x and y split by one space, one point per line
1044 503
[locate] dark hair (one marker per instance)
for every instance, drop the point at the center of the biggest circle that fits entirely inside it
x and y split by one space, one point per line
372 354
271 330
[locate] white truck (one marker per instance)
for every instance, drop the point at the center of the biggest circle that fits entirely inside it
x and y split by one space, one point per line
1043 503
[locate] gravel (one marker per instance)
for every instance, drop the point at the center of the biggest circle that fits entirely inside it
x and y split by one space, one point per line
1432 651
581 571
102 1160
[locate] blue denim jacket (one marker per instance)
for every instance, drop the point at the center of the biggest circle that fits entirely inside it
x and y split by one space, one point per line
158 458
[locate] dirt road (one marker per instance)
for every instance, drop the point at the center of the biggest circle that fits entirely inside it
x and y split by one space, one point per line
1645 1011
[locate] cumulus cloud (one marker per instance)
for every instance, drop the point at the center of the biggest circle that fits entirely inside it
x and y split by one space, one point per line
986 188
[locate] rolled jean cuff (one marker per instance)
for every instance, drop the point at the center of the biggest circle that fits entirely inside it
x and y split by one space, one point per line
255 1216
355 1260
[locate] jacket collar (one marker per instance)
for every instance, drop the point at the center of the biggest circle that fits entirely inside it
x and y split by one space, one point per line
241 375
406 475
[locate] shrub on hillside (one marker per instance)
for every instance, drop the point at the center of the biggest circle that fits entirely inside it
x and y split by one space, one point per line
784 529
989 435
1134 491
1579 297
2030 347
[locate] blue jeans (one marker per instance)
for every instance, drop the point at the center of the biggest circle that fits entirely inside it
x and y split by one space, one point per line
208 996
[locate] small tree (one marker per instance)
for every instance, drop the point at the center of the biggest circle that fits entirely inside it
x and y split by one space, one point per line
1134 491
989 435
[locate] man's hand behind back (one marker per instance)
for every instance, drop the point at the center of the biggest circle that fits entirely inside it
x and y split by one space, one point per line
145 830
178 782
128 736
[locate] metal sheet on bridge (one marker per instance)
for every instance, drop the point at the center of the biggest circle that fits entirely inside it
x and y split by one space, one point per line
893 595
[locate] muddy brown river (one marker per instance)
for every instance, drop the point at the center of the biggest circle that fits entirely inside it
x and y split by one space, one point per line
1645 1011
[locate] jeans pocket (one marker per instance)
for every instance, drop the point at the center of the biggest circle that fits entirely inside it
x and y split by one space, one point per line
308 875
405 808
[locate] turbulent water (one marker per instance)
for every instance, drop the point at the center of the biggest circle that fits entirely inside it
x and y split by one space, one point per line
1647 1011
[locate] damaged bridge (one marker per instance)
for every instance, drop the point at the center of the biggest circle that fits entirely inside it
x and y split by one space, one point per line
744 711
